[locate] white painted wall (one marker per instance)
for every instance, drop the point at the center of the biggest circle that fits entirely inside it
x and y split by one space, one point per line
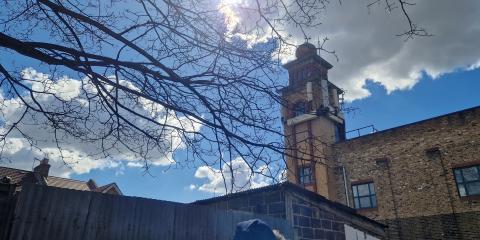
355 234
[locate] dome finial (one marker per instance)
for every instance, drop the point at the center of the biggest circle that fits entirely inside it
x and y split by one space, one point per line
305 49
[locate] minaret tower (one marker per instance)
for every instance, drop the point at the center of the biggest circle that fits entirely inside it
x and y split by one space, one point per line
312 121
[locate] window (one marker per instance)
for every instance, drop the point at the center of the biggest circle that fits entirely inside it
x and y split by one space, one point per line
364 195
338 133
299 109
468 180
305 175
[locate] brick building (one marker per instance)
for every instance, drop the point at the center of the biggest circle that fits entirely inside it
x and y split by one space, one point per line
421 179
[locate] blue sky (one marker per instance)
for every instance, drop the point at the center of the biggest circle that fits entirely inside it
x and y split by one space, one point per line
428 98
411 81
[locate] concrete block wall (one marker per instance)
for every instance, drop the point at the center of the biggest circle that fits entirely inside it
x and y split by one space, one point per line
312 222
311 219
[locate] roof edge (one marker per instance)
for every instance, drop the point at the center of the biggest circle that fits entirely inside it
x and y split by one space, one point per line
107 187
298 189
472 109
315 57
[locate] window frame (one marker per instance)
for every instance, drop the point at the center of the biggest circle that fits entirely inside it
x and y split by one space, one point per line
465 183
296 113
338 133
301 172
371 195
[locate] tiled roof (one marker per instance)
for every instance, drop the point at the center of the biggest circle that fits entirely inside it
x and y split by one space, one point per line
106 188
15 174
67 183
19 177
103 188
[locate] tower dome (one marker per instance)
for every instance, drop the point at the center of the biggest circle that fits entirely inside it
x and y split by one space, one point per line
306 49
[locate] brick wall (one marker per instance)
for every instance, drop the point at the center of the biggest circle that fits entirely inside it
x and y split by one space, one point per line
412 169
444 226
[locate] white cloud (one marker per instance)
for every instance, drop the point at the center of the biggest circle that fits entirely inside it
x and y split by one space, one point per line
79 154
370 49
282 176
367 46
13 145
243 178
135 164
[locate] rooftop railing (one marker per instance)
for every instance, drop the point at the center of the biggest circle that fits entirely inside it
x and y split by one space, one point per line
361 131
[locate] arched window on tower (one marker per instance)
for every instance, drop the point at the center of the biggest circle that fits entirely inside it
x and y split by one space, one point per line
299 109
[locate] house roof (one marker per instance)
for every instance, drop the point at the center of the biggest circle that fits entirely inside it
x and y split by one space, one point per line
67 183
297 189
15 174
108 187
19 177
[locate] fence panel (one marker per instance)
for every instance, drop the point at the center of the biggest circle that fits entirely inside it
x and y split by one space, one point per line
7 205
57 214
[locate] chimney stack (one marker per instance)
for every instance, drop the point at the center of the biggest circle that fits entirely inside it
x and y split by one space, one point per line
92 184
42 168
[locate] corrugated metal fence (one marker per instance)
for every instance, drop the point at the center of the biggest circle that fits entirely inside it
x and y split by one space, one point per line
57 214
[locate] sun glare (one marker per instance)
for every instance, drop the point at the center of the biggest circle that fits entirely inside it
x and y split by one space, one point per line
227 8
230 2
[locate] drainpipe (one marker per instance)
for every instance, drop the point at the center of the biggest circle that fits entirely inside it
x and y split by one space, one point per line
395 210
450 195
345 184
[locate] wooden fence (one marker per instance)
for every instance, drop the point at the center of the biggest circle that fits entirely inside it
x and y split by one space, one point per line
58 214
7 205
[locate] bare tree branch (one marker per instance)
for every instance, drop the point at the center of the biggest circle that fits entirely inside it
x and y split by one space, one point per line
158 75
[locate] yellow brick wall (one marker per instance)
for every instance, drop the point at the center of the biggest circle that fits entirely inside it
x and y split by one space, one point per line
413 184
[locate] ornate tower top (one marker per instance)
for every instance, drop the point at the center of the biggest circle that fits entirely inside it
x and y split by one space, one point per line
307 65
305 50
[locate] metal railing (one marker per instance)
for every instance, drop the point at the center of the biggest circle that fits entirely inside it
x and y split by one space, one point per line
361 131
